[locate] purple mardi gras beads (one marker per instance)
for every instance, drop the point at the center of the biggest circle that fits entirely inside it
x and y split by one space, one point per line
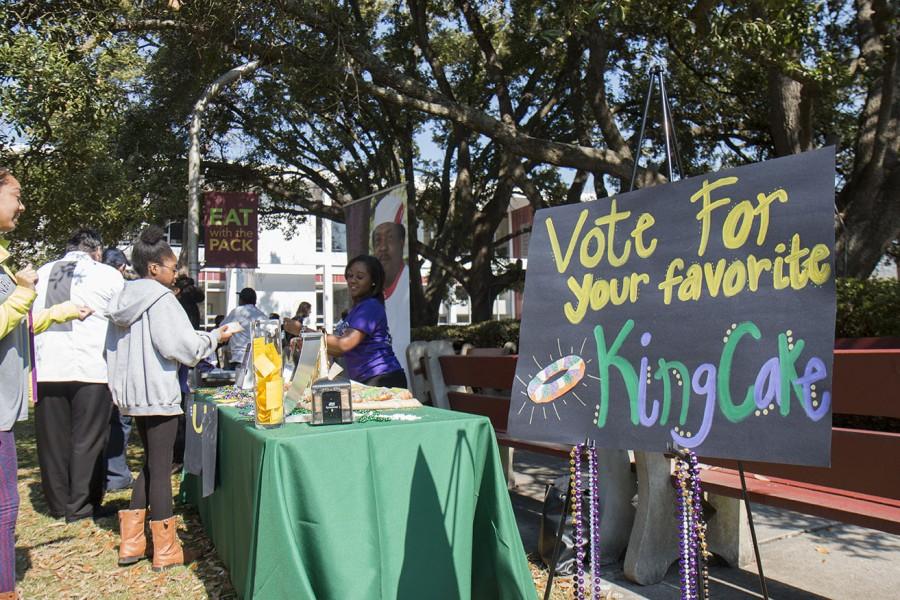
693 549
575 458
579 520
683 517
699 524
595 521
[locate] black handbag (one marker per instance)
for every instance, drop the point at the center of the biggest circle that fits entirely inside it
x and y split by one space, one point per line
554 500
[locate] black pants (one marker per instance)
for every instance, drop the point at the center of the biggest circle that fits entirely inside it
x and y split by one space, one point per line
72 424
395 379
153 486
178 454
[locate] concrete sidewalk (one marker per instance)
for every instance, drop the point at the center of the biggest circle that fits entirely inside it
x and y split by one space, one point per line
803 556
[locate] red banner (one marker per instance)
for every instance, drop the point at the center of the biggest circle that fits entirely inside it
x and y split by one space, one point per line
230 220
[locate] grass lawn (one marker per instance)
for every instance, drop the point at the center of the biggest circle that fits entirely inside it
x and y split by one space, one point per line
57 560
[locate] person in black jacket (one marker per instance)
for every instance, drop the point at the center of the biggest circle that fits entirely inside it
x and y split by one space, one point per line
189 296
118 474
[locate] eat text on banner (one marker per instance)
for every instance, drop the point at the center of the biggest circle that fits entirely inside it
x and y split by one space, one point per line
230 220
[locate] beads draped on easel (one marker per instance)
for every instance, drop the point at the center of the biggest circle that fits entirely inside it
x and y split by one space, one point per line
575 462
693 551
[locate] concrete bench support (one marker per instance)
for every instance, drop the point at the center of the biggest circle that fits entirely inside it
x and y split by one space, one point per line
653 546
617 489
418 382
654 538
433 350
728 531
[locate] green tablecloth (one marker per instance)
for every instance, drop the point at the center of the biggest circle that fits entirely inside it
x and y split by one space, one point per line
370 510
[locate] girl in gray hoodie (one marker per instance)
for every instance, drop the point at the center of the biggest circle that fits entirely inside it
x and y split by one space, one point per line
149 336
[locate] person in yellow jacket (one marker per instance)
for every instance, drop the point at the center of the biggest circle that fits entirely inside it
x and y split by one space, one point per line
17 382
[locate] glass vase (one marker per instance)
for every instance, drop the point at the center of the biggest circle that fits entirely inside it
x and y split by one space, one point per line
268 373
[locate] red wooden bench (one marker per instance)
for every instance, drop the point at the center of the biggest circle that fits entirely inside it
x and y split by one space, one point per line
491 378
862 486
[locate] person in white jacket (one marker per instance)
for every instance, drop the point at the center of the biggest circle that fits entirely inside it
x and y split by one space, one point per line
72 413
149 336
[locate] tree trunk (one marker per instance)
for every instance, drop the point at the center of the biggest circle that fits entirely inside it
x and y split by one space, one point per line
867 233
419 309
481 276
789 123
482 306
869 200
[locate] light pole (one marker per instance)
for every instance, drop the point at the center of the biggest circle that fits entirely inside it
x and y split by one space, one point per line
193 217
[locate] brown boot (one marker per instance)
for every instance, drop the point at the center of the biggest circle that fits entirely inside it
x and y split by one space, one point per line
167 550
8 596
133 545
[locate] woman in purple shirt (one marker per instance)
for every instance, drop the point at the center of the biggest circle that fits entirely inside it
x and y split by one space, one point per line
366 341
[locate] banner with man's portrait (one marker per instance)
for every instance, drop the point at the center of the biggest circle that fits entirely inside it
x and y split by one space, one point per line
377 225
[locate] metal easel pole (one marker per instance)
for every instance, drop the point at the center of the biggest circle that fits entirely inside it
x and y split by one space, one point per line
672 151
673 158
556 547
637 154
759 565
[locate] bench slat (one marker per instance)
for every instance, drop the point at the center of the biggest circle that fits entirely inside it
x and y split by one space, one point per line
495 408
855 511
479 371
559 450
867 462
867 343
866 382
829 490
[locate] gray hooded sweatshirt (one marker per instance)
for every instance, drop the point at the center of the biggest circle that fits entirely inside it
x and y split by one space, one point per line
149 335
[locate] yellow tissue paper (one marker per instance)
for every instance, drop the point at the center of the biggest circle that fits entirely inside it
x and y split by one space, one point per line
269 382
274 394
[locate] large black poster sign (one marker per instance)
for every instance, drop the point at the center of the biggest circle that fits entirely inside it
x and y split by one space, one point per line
699 314
201 434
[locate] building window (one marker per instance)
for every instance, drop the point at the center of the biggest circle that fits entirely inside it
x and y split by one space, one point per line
319 246
338 238
521 219
175 233
320 308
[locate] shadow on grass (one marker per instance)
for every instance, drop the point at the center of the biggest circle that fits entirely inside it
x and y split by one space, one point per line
23 555
39 504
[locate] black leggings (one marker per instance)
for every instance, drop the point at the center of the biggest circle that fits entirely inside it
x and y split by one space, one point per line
155 481
395 379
